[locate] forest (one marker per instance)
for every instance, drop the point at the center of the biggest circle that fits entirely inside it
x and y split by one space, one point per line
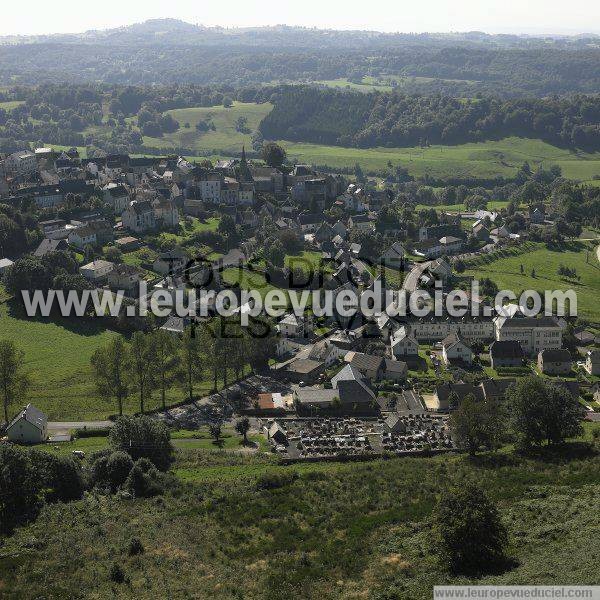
453 64
327 116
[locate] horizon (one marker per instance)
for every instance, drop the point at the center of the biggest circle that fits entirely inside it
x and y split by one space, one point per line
432 16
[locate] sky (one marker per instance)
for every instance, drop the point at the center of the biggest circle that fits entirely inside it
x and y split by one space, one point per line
492 16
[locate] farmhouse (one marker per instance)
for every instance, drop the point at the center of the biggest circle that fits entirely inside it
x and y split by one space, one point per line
30 426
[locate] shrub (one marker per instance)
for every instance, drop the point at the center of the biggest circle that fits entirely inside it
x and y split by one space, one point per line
19 501
116 573
118 466
468 534
135 547
60 477
271 481
144 485
143 437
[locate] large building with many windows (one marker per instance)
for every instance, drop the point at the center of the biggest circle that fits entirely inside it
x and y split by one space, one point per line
535 334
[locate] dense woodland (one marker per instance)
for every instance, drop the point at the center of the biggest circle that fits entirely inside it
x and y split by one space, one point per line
398 120
460 64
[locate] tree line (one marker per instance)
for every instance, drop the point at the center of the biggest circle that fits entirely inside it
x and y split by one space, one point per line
329 116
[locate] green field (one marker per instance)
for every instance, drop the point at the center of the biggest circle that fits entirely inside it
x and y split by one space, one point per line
381 84
225 137
482 159
506 272
10 104
57 358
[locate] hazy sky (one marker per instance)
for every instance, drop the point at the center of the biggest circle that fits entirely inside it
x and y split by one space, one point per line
493 16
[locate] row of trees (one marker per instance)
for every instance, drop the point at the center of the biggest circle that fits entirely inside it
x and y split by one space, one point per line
154 362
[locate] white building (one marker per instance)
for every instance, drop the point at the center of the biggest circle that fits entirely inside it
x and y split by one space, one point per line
117 196
455 349
403 344
295 326
30 426
4 264
535 334
82 236
21 163
139 217
97 270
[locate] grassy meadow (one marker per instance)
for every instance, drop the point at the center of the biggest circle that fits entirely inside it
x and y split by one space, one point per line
225 137
482 159
506 272
57 358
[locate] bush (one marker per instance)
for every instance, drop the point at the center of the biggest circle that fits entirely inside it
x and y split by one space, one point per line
19 500
142 484
272 481
135 547
143 437
116 573
118 466
60 477
468 534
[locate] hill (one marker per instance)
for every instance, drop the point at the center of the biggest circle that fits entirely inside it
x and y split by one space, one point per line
243 526
456 63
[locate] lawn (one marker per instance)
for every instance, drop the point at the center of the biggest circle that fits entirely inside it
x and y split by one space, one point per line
506 272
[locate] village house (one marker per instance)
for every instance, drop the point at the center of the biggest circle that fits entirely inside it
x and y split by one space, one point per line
309 223
592 362
96 271
295 326
361 222
456 350
555 361
507 353
125 277
394 370
393 257
369 366
403 344
139 217
30 426
116 196
47 245
166 213
82 236
170 262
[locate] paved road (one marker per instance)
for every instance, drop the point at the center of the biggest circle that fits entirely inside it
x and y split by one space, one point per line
67 425
411 281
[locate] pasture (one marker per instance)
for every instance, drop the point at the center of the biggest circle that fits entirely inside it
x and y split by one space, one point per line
540 265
